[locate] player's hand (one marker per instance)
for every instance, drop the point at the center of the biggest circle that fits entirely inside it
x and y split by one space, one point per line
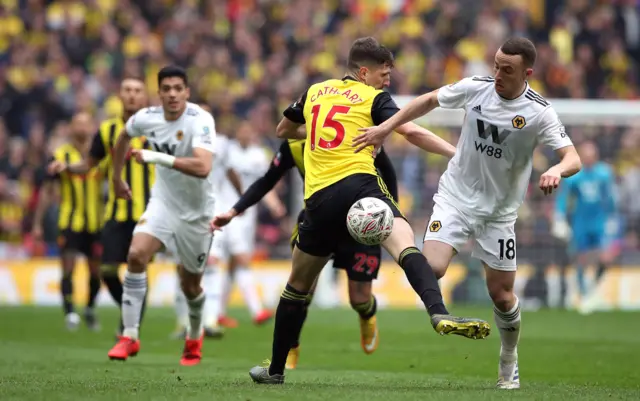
222 220
121 189
137 155
370 136
56 167
550 180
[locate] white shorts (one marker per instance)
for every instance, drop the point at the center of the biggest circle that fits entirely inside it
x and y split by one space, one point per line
237 238
188 242
494 241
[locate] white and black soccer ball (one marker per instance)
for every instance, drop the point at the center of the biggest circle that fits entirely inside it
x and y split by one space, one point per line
370 221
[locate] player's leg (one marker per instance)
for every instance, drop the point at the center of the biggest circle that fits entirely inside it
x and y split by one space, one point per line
219 286
190 283
496 247
321 229
68 250
242 235
213 295
93 251
153 232
362 264
193 244
181 309
423 280
294 353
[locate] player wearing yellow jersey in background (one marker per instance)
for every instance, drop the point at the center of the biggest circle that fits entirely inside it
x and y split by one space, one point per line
120 215
335 179
80 217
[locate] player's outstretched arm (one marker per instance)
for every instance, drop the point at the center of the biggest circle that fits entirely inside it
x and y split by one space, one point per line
376 135
426 140
45 197
280 164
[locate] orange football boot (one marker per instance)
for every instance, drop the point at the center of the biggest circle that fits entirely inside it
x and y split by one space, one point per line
262 317
124 348
192 353
228 322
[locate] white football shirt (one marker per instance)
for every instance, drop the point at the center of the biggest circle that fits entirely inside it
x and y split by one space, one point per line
190 197
250 163
489 174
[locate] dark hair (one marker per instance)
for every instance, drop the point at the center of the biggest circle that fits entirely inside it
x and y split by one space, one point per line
523 47
172 71
368 51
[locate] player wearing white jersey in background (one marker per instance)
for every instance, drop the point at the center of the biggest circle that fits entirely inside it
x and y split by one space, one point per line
214 278
181 205
485 183
235 244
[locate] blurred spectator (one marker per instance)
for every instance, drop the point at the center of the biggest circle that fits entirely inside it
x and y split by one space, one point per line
248 59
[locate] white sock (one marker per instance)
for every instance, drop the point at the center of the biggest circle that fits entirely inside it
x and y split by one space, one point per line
247 285
212 284
195 316
509 325
135 289
226 285
182 311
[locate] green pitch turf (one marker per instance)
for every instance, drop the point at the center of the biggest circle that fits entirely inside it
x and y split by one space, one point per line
563 356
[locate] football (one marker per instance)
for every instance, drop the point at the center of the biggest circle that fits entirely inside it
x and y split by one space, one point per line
370 221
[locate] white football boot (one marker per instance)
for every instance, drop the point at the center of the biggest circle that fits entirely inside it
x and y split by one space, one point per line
508 374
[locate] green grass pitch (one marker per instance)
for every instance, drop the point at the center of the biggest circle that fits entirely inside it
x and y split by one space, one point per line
563 356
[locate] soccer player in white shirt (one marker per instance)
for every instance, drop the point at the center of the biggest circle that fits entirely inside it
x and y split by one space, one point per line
181 205
485 183
235 244
215 279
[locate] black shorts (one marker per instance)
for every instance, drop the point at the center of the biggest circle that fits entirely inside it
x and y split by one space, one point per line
324 229
87 244
361 262
116 239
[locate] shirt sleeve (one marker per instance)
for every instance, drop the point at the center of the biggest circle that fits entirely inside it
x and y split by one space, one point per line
383 108
204 133
133 125
454 96
551 131
97 151
280 164
295 111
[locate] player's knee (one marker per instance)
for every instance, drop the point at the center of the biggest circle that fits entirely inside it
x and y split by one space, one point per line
438 256
190 288
359 292
501 294
137 259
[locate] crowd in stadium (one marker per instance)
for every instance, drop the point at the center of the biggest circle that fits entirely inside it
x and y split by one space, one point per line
248 59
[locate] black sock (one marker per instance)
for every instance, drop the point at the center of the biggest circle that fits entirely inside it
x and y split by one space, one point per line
113 283
422 279
289 318
66 286
307 302
600 272
94 289
368 309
